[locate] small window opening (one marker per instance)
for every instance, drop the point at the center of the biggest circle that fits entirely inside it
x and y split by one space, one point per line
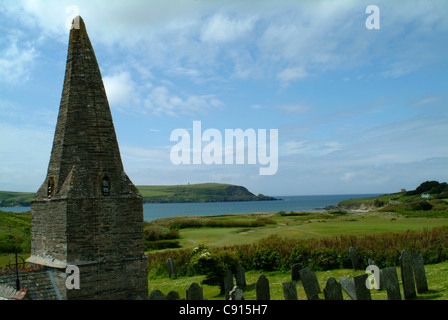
50 188
105 186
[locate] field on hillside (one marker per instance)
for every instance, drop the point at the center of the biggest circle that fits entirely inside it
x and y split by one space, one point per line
247 228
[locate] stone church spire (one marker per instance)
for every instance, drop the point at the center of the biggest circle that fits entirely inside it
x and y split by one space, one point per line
87 212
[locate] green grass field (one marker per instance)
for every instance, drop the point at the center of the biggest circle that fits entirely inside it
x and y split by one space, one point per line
302 226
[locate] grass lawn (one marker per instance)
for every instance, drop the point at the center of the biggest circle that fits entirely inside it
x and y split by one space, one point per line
436 276
306 225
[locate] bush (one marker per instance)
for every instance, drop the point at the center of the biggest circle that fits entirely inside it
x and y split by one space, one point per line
161 244
213 265
265 259
155 233
378 203
421 205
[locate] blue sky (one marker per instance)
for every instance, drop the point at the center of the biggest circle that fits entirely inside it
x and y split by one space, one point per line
357 110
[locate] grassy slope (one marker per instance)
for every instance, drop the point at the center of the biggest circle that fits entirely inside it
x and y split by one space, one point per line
15 229
12 199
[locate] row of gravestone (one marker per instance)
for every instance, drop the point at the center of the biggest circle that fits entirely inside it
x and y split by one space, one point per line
412 274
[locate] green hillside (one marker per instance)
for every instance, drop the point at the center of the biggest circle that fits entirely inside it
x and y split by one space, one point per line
15 199
203 192
15 231
428 199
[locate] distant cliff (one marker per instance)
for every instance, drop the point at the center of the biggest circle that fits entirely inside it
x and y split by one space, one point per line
203 192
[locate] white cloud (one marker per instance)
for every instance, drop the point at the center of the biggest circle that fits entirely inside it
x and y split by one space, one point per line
160 101
120 89
221 28
17 59
290 74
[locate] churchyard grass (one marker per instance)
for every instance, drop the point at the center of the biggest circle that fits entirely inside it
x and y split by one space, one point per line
436 276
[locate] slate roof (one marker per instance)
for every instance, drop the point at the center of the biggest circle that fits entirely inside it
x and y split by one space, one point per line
35 282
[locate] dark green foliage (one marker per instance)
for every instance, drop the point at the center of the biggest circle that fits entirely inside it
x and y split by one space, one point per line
213 264
160 237
155 232
431 187
161 244
379 203
421 205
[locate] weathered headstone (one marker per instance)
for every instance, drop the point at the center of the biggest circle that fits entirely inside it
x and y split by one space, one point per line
407 275
172 295
354 258
171 268
310 283
262 288
194 292
333 290
240 277
236 293
361 290
156 295
419 273
391 284
290 290
348 285
295 271
228 283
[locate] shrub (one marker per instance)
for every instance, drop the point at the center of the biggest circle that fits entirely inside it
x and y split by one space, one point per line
421 205
161 244
265 259
155 233
213 265
378 203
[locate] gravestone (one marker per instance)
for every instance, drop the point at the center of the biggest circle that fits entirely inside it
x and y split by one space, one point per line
171 268
310 283
333 290
262 288
354 258
228 283
290 290
156 295
361 290
236 293
240 277
419 272
194 292
348 285
391 284
407 275
172 295
295 271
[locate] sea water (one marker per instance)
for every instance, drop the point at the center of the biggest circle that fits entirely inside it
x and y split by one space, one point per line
153 211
